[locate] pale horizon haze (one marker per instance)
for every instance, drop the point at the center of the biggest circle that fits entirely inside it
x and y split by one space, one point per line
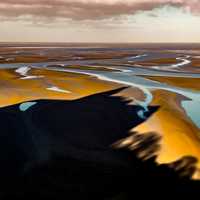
106 21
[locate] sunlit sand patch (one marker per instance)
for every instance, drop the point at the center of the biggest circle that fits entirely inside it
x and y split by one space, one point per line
31 77
23 71
189 83
180 136
56 89
15 90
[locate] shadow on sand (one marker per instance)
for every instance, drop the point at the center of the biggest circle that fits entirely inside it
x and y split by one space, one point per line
56 149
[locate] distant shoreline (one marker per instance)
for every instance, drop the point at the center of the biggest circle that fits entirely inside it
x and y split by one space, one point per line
103 45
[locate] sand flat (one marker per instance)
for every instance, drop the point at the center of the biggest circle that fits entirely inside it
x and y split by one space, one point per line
39 78
180 137
14 90
189 83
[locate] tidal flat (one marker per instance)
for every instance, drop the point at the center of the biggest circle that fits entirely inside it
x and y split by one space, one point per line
155 75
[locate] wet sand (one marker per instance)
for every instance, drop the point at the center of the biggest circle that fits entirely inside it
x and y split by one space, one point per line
188 83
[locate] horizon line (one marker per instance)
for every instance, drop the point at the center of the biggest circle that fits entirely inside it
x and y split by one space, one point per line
3 42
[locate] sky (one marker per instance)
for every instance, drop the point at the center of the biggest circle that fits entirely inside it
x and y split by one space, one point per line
111 21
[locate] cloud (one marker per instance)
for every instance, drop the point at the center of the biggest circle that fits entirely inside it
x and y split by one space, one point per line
86 9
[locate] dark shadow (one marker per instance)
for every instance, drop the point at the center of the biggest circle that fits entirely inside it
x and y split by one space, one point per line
62 149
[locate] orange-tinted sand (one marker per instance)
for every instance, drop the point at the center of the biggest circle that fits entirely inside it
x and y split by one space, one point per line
189 83
180 137
15 90
162 61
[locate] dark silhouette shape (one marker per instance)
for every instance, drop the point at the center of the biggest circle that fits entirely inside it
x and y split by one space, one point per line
59 149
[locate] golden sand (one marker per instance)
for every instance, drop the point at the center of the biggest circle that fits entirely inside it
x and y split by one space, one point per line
188 83
14 89
180 137
161 61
